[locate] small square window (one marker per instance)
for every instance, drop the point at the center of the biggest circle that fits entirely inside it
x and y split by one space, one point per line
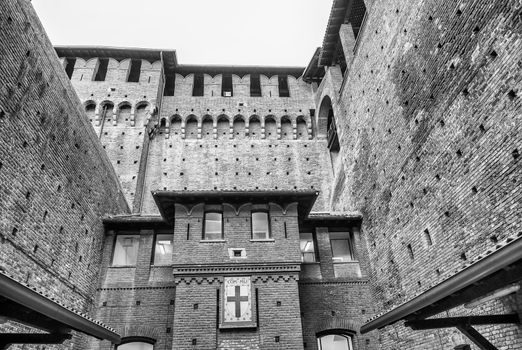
163 249
213 226
125 250
260 225
307 247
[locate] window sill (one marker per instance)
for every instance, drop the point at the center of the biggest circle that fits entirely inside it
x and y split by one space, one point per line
122 266
346 262
263 240
212 241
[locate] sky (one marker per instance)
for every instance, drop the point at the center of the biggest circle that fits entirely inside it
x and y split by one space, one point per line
230 32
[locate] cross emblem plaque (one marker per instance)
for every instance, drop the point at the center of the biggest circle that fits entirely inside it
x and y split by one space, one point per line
237 302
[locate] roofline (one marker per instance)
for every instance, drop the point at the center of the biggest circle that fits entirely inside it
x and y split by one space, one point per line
499 259
30 298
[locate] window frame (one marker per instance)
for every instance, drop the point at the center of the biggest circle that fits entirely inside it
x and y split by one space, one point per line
153 257
267 212
350 246
314 240
203 235
114 249
340 332
136 339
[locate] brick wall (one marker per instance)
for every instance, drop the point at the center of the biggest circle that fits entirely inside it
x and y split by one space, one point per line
55 180
430 132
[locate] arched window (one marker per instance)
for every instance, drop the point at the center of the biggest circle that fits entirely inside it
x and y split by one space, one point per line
239 127
106 112
223 127
124 113
270 128
207 128
327 127
254 127
335 342
90 110
175 126
287 131
302 128
141 114
163 123
136 343
191 128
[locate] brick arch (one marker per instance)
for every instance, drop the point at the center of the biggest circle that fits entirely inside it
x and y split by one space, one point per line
270 127
223 126
239 127
207 127
302 128
287 128
139 331
334 325
175 125
254 127
191 127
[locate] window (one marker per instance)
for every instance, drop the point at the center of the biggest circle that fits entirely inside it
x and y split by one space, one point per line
163 249
226 86
341 247
335 342
198 87
170 83
307 247
69 66
137 345
134 71
283 86
260 225
255 85
101 69
125 250
213 226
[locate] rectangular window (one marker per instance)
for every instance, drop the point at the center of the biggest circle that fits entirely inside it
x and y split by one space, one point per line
283 86
134 71
260 225
125 250
226 86
163 249
213 226
307 247
198 87
69 66
170 83
255 85
101 69
341 244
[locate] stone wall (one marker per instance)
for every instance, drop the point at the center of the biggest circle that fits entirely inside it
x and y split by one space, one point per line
431 135
55 179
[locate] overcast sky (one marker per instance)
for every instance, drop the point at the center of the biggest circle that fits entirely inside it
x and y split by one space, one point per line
243 32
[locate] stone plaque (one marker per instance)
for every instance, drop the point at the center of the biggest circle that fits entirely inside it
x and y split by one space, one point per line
237 303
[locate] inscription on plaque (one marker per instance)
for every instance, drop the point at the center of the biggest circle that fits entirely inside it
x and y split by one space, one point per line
237 302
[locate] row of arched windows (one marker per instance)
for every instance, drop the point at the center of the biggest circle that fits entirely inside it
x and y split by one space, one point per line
106 111
239 127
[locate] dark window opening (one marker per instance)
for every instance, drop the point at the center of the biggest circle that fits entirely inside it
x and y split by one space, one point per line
170 83
255 85
101 69
69 66
198 87
283 86
226 86
134 71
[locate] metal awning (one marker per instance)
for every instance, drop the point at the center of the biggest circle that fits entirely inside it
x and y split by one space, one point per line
495 269
23 304
166 200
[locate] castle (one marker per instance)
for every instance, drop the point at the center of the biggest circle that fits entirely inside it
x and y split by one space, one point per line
370 200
